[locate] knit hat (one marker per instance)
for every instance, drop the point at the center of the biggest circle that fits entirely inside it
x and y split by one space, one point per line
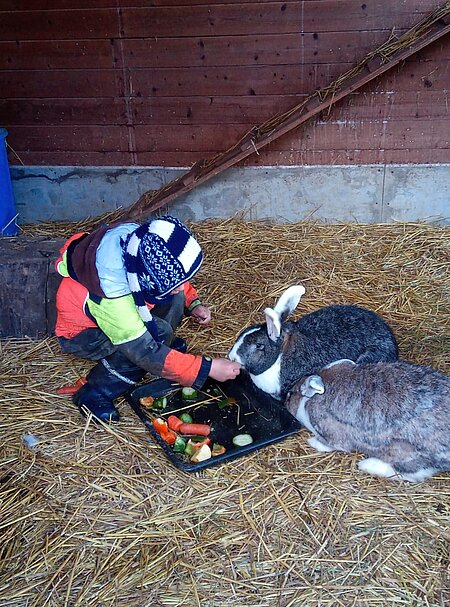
159 256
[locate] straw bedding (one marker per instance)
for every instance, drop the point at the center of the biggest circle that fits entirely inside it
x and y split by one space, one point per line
95 515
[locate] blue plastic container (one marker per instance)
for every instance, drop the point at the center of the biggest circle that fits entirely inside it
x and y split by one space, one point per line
8 213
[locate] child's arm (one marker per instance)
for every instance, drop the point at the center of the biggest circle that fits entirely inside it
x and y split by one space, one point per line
194 306
120 321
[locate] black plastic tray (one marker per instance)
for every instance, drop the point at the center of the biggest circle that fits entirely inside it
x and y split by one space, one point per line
256 413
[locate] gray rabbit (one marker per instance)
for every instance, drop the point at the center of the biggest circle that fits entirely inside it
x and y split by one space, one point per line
397 414
278 353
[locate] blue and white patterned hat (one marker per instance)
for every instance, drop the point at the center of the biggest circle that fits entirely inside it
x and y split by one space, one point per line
159 256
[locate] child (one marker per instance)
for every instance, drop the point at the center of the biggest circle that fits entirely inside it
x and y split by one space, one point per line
123 294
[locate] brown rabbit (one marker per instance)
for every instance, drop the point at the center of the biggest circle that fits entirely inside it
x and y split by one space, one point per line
397 414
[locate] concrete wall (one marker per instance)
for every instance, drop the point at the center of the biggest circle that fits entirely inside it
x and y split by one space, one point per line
363 194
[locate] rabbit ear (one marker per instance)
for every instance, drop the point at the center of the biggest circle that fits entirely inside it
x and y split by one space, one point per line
273 324
312 385
289 301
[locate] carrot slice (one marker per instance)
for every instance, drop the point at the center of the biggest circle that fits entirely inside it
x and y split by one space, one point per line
69 390
174 422
201 429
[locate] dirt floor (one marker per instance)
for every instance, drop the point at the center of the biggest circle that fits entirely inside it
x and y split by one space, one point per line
98 516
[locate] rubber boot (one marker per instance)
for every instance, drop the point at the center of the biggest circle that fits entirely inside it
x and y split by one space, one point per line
109 379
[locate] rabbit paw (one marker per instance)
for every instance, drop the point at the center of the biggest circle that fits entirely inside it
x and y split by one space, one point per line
319 446
419 476
377 467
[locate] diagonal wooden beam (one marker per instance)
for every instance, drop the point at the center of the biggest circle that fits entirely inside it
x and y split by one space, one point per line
384 58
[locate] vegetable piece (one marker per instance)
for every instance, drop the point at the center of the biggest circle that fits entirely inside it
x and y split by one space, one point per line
179 445
186 418
169 437
190 448
226 402
201 454
160 425
195 443
217 449
147 402
162 428
202 429
69 390
200 440
241 440
160 402
188 394
174 422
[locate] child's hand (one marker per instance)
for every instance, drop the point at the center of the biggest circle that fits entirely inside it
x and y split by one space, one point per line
202 314
223 369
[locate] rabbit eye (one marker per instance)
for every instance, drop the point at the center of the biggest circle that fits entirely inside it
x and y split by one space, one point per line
259 346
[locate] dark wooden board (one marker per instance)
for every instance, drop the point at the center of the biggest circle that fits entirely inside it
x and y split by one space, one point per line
97 111
320 135
265 80
257 19
62 84
253 110
69 138
231 81
212 52
346 156
337 156
56 54
82 158
28 283
59 25
203 20
33 5
295 49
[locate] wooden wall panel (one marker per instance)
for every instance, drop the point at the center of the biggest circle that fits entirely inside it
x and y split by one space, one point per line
43 112
351 134
288 80
59 25
27 5
62 84
170 82
275 17
85 157
191 110
269 50
73 138
56 54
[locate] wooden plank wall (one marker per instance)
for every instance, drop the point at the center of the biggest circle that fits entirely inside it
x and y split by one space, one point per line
134 82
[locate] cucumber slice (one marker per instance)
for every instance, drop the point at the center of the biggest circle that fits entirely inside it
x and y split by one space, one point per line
189 393
241 440
186 418
160 402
